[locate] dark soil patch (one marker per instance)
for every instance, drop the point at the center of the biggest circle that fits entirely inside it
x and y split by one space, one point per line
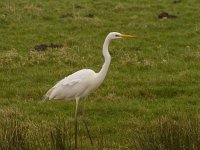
89 16
43 47
165 15
176 1
77 6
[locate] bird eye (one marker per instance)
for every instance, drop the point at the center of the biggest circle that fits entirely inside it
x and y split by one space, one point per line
117 35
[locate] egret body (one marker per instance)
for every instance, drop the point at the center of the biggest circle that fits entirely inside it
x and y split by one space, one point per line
81 83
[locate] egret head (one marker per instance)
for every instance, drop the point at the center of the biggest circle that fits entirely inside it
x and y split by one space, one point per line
117 35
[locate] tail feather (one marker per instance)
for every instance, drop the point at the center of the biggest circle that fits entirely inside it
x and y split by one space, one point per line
45 98
47 95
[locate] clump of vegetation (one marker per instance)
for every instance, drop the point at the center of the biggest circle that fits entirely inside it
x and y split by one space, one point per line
18 134
164 133
13 134
169 134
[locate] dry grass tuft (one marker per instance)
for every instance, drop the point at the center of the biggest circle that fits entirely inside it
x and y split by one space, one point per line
134 59
170 134
11 113
192 55
32 8
9 58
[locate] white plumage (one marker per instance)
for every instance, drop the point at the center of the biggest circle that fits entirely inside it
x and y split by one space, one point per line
78 84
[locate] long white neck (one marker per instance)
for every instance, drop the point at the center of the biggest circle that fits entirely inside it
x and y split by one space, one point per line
107 57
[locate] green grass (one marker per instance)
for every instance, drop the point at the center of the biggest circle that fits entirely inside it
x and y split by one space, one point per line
151 92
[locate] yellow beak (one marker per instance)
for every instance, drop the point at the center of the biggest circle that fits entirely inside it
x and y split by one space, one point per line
127 36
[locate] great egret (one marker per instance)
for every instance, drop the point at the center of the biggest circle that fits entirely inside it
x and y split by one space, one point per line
81 83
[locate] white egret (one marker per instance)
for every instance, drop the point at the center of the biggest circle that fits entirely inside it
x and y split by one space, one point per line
81 83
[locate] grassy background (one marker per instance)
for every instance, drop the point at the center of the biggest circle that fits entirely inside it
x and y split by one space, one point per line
152 79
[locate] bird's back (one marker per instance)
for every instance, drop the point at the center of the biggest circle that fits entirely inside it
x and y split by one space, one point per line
72 86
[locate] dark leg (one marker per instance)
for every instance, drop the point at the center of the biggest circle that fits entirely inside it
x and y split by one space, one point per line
75 124
85 123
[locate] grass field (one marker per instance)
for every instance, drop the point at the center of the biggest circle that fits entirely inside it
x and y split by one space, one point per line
150 98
